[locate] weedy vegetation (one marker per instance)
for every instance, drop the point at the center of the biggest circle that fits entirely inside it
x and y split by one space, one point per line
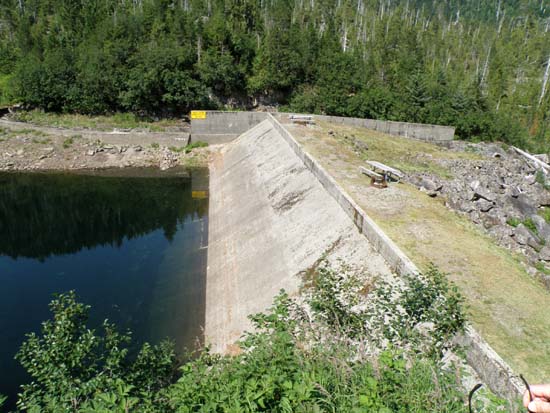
540 177
513 222
340 347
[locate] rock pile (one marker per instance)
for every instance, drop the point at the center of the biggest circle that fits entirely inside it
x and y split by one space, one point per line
506 194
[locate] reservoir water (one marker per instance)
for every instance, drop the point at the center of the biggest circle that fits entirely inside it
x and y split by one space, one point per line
133 247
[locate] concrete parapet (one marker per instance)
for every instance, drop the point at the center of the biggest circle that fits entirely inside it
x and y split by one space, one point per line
222 127
494 371
420 131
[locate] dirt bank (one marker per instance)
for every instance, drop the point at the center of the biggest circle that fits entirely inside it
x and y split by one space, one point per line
25 147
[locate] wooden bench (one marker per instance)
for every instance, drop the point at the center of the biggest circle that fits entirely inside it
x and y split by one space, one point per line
375 178
302 119
393 173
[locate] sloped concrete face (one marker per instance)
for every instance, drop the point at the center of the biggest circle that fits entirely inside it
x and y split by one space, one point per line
269 219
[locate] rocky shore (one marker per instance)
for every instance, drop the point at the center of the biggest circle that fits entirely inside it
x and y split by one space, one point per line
505 193
40 149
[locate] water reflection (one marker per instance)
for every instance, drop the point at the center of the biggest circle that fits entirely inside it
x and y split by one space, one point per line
55 214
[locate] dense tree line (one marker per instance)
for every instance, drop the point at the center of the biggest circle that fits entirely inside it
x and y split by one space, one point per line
482 66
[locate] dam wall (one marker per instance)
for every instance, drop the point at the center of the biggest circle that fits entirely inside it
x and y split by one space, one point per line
270 220
222 127
492 369
215 127
266 227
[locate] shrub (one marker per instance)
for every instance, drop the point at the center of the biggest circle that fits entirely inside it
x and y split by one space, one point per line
72 368
304 355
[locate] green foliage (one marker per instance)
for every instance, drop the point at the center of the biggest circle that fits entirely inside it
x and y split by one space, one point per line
188 148
2 400
513 221
67 143
73 369
279 371
6 93
542 268
530 225
450 63
302 356
540 177
191 146
545 213
107 123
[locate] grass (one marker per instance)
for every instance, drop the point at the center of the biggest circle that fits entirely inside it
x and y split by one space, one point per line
67 143
36 134
44 141
530 225
545 213
542 268
405 154
507 306
105 123
540 177
189 148
513 221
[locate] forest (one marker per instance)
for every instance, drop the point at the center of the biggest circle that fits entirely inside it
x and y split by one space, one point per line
481 66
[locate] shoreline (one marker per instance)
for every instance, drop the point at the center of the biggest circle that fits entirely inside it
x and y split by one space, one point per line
28 148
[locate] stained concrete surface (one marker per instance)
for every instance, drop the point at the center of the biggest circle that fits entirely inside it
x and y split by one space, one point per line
269 220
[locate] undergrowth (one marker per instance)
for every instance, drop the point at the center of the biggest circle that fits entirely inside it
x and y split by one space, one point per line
339 347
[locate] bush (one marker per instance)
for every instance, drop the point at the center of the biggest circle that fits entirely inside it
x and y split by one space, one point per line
73 369
304 355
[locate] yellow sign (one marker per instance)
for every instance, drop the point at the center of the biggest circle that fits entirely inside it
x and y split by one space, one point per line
199 194
198 114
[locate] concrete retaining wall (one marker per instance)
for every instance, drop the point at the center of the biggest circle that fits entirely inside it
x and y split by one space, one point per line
223 127
420 131
484 360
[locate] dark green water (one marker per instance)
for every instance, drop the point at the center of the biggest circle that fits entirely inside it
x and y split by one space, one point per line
134 248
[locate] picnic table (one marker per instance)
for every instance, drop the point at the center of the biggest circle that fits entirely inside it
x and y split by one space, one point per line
305 119
380 173
386 170
375 178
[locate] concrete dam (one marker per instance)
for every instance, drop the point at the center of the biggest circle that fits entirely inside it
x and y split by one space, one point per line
275 212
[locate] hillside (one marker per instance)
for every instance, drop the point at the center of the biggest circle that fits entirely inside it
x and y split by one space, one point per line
482 66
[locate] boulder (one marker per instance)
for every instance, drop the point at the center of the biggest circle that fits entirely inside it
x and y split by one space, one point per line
524 204
493 218
543 198
483 205
480 191
459 204
543 228
428 184
515 192
544 254
542 157
525 237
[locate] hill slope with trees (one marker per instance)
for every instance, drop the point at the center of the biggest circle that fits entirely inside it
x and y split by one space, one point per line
482 66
